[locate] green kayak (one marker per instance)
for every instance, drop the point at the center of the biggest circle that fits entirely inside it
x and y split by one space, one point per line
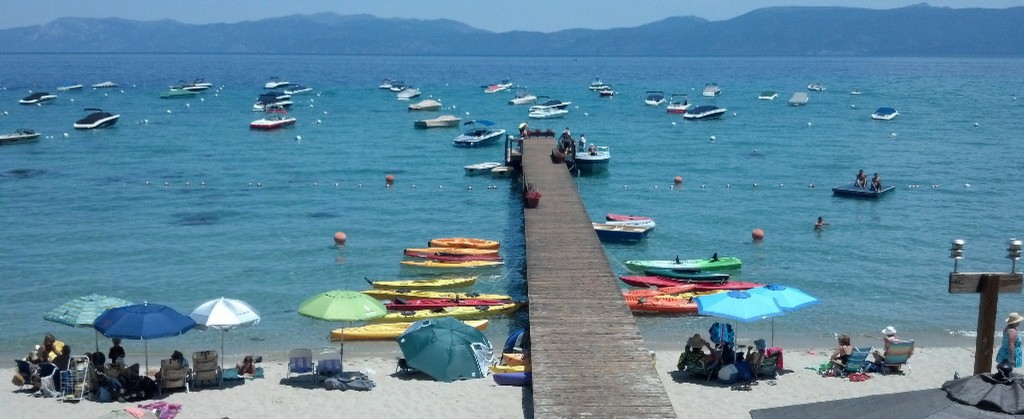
695 265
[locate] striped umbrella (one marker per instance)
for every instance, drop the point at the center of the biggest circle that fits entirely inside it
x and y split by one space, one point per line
82 311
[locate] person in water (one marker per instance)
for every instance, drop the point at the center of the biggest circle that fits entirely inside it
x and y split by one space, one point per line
862 179
820 224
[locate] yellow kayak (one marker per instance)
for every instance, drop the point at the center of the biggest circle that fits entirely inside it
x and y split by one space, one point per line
387 331
433 283
444 295
456 312
453 265
501 369
464 242
420 251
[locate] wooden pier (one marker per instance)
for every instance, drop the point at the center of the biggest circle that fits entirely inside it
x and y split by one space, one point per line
588 357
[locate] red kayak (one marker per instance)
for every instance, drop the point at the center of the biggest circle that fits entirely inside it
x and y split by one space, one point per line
680 288
401 304
621 217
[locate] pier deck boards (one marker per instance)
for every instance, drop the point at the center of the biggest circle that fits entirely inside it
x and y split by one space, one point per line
588 357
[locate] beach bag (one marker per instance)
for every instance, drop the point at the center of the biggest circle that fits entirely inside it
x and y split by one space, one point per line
350 381
728 374
745 374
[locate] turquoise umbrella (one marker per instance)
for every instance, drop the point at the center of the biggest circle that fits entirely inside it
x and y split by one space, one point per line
446 349
787 298
343 306
82 311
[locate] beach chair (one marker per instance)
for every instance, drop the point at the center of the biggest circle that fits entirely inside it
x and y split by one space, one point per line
173 374
694 365
300 361
855 362
328 366
897 356
769 366
206 369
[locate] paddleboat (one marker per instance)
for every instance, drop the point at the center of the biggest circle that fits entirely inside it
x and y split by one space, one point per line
854 191
456 312
387 331
442 295
433 283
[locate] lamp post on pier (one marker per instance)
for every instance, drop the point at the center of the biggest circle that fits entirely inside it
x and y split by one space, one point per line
989 285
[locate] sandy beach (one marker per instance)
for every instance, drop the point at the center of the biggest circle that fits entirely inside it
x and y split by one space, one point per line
402 397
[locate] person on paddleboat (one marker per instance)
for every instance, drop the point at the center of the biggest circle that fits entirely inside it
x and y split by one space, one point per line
862 179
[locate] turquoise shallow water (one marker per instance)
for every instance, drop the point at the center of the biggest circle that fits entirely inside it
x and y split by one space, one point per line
181 203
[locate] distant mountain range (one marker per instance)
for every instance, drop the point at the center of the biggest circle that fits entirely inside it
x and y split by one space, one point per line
919 30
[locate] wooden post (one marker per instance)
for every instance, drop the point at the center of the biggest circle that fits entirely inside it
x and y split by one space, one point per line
989 302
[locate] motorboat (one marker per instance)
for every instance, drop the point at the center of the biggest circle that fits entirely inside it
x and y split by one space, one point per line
37 98
439 122
626 217
408 93
104 85
22 135
654 98
643 223
856 92
523 97
547 102
501 171
481 168
704 112
201 84
816 87
198 85
597 85
480 133
498 87
96 118
711 90
275 83
295 89
768 95
607 91
547 112
271 99
425 105
613 232
69 87
678 103
798 99
593 159
397 86
274 118
884 114
176 93
385 84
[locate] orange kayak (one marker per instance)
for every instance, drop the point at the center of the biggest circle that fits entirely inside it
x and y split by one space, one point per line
424 252
662 304
464 242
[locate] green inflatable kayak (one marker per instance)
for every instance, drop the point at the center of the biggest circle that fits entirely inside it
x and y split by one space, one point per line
695 265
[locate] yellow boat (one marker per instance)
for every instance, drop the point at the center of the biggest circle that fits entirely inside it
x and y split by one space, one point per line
387 331
444 295
453 265
501 369
429 251
433 283
456 312
464 242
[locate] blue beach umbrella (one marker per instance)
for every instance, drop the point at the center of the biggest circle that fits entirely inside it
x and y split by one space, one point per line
143 322
737 305
788 299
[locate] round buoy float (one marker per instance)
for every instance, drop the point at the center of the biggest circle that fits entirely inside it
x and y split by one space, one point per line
678 180
339 238
389 179
757 234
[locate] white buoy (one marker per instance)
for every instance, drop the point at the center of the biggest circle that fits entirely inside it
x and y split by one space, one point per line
202 99
318 122
298 138
892 135
188 105
975 124
145 121
586 114
809 124
712 138
65 135
168 111
967 185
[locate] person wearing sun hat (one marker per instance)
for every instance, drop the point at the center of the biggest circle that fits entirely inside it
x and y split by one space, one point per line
1010 349
889 336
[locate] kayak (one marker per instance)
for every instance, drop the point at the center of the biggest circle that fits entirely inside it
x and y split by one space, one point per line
456 312
513 378
453 265
430 303
662 304
457 258
387 331
692 288
464 242
443 295
433 283
417 251
693 265
501 369
688 275
622 217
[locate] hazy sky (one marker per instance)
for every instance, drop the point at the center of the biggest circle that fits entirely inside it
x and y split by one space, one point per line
494 15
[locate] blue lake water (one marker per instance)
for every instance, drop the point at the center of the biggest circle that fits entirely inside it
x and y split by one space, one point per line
181 202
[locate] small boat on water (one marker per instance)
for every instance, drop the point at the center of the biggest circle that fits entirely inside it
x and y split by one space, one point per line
687 274
69 87
816 87
439 122
478 136
295 89
425 105
458 258
798 99
274 118
397 86
664 281
37 98
654 98
468 264
275 83
613 232
545 112
23 135
178 93
464 243
443 295
432 283
408 93
479 169
431 303
768 95
270 100
678 103
548 102
885 114
624 217
854 191
695 265
685 288
592 160
607 91
704 112
96 118
641 223
523 97
104 85
597 85
711 90
426 252
385 84
498 87
856 92
387 331
501 171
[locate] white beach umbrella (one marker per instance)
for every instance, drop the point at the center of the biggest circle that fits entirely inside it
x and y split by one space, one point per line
224 314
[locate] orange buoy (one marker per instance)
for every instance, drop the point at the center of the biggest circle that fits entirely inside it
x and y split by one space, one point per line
679 180
339 238
389 179
757 234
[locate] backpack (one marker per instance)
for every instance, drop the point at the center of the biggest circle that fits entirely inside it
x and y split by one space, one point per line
722 333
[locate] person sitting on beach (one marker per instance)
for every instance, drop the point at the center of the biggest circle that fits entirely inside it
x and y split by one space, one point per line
839 358
876 183
862 179
756 354
889 334
695 350
63 361
49 349
247 368
116 350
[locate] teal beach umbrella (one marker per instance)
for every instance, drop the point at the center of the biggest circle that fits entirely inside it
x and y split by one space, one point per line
82 311
446 349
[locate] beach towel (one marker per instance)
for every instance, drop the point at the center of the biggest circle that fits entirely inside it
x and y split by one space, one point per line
231 374
350 381
775 350
164 410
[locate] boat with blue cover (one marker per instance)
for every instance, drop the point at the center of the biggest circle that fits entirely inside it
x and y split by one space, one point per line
885 114
477 136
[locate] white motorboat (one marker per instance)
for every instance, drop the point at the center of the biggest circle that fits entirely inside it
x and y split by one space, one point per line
275 83
594 158
200 83
817 87
547 112
606 91
856 92
385 84
654 98
523 97
597 85
275 117
408 93
638 223
96 118
481 168
295 89
271 99
501 171
477 136
397 86
22 135
711 90
678 103
798 99
498 87
442 121
704 112
69 87
425 105
104 85
37 98
885 114
768 95
547 102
